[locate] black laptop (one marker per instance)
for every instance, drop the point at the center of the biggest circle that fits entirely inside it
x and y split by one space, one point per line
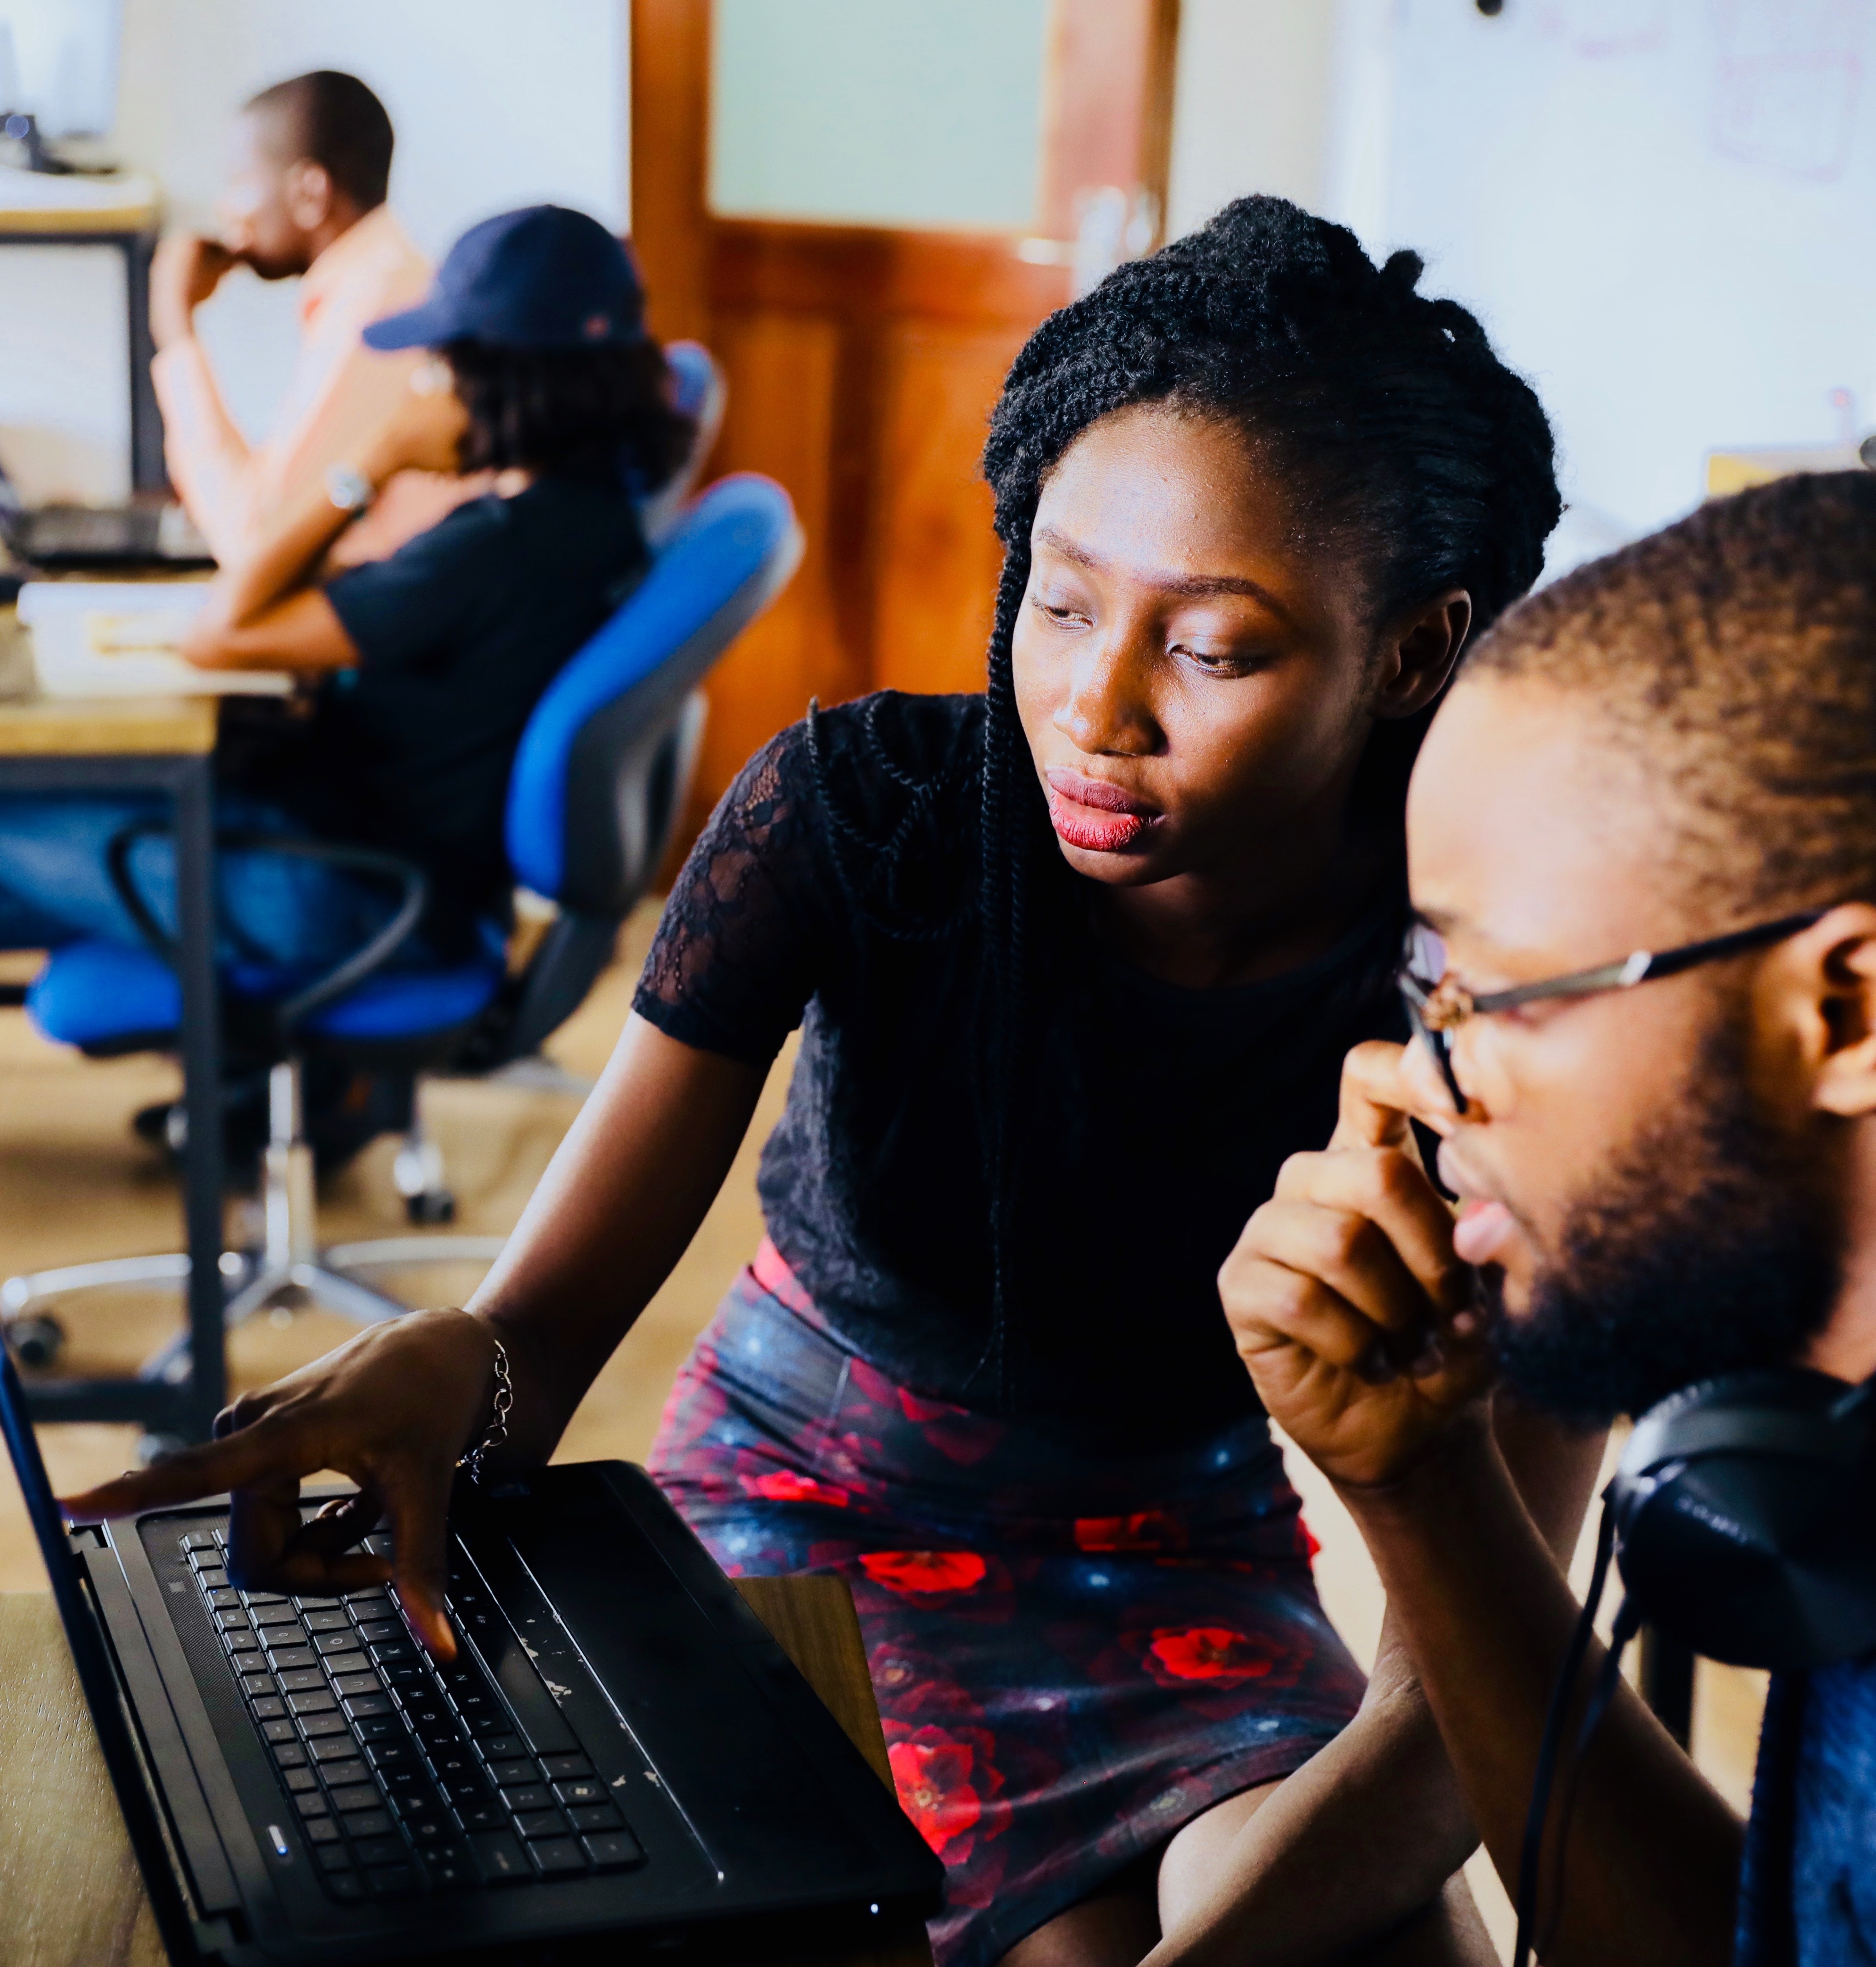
621 1762
65 537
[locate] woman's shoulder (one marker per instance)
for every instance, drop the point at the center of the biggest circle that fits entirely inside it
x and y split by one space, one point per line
891 782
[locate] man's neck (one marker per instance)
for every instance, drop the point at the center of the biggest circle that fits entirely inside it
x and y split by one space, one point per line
1846 1347
333 227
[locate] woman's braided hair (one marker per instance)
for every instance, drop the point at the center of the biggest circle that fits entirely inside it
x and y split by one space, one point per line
1395 429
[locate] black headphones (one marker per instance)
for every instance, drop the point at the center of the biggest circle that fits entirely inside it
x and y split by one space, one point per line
1743 1519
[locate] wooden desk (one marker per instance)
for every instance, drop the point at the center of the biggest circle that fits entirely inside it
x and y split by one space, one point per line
70 1895
164 745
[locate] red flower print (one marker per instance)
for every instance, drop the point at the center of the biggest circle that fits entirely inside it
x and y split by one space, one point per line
783 1485
1214 1653
932 1774
919 1573
1145 1529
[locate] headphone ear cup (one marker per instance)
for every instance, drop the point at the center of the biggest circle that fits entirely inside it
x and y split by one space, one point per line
1746 1511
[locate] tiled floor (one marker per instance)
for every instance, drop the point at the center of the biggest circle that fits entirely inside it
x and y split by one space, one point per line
74 1184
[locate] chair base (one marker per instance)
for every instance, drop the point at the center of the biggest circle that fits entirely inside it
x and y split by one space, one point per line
257 1279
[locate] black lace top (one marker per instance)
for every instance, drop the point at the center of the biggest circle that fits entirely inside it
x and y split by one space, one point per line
835 888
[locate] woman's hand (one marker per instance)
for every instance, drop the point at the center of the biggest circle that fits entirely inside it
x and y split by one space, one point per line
1348 1304
394 1408
424 432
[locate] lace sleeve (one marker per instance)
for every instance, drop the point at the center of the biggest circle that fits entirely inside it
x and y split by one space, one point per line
735 962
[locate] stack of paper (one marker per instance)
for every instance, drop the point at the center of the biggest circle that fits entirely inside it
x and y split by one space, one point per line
122 638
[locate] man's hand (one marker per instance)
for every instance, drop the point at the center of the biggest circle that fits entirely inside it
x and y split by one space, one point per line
186 269
1346 1298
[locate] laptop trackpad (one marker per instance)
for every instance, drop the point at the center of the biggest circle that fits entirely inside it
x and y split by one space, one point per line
592 1600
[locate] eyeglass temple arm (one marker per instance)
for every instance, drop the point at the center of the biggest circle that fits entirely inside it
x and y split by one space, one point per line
1643 965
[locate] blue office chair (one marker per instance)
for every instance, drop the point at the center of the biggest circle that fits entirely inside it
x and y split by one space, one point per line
599 781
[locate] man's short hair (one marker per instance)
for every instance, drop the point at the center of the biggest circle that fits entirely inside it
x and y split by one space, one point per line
1733 658
334 121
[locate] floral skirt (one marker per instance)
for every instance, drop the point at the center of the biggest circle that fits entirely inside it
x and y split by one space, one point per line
1074 1655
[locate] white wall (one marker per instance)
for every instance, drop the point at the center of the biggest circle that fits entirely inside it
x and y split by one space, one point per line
496 103
1251 105
1663 210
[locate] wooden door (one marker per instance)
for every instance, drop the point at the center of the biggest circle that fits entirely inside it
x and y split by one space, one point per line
863 361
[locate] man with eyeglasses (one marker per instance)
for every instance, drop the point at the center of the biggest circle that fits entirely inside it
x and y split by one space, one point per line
1642 846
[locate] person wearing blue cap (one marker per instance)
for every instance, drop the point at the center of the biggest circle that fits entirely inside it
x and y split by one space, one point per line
424 666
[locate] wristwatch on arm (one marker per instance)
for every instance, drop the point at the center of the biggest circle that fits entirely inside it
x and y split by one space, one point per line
349 489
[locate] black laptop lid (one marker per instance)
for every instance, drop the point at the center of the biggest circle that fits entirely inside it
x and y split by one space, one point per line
97 1678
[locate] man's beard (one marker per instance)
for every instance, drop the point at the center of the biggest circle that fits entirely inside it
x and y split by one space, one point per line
1709 1249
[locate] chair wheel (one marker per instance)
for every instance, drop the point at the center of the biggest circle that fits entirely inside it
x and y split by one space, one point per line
436 1205
152 1449
37 1341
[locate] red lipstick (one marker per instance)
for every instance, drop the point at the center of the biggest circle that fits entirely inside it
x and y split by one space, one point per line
1093 815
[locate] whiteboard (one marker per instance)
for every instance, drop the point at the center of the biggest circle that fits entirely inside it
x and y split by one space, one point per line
1663 210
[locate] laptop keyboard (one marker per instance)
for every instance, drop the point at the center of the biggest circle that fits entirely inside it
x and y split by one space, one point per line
406 1777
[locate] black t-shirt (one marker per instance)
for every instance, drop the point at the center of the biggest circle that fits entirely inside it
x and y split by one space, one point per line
458 634
836 887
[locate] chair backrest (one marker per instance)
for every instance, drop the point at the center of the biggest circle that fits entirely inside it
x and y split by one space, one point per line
698 388
604 763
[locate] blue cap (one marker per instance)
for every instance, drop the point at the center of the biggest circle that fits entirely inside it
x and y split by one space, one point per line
542 278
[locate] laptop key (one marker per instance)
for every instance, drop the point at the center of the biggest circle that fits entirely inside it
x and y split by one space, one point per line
232 1621
337 1748
502 1748
243 1642
301 1680
378 1850
583 1789
300 1781
332 1621
595 1815
317 1702
374 1706
269 1707
532 1823
344 1641
321 1830
287 1753
211 1577
351 1684
416 1800
225 1598
528 1796
377 1631
347 1886
455 1764
286 1660
257 1686
334 1858
311 1804
614 1851
489 1816
316 1727
406 1779
435 1826
199 1540
393 1881
272 1612
518 1770
499 1858
379 1724
451 1868
557 1856
264 1598
367 1823
349 1796
340 1775
280 1731
464 1791
560 1767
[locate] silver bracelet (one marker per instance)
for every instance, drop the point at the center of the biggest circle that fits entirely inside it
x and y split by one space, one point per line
497 1434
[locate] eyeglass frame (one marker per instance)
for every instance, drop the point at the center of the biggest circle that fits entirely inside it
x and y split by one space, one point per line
1641 966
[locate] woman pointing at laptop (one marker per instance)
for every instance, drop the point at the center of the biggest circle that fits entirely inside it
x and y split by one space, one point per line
1076 963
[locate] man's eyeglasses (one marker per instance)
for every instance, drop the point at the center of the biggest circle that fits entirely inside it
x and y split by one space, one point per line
1437 1006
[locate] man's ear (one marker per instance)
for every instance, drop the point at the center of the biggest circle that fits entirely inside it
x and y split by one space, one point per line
1837 960
308 194
1418 651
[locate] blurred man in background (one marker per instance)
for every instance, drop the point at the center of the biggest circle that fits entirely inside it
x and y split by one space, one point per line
309 166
